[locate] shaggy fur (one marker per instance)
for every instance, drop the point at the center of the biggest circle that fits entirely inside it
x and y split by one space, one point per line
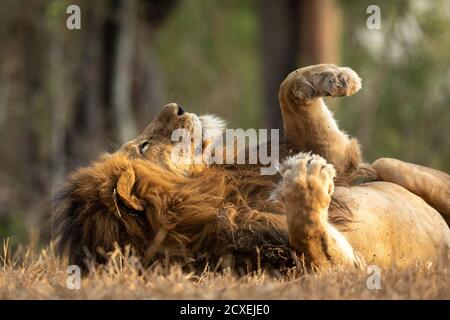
219 213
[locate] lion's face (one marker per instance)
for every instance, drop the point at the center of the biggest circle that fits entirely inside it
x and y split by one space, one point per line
158 142
134 194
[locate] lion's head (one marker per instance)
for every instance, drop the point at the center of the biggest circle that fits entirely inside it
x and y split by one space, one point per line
161 142
142 194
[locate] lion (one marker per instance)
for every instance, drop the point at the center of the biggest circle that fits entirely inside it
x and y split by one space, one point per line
325 207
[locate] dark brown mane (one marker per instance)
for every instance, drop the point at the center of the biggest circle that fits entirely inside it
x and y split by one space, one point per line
222 211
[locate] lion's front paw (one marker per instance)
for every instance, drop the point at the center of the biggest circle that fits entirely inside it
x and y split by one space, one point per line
324 80
307 180
347 82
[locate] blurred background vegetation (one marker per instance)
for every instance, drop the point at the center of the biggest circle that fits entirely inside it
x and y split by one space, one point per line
66 95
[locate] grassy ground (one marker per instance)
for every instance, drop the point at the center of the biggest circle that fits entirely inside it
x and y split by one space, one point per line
30 275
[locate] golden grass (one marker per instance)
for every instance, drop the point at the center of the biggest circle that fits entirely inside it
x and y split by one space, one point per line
40 275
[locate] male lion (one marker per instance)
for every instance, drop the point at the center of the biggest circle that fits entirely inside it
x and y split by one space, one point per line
230 215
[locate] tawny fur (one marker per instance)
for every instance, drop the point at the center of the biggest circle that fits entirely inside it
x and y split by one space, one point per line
230 215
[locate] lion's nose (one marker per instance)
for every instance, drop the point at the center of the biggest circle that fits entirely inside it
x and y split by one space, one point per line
172 109
180 110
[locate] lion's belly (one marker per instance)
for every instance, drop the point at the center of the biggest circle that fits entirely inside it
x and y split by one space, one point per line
395 227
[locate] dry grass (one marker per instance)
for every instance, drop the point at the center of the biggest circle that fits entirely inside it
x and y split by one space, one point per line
30 275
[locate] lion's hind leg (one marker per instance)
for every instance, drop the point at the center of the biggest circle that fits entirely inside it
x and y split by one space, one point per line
305 190
309 125
431 185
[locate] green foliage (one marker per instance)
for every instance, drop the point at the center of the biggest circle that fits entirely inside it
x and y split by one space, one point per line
403 110
13 227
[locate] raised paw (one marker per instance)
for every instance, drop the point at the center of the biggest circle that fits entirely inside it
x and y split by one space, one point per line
321 80
307 180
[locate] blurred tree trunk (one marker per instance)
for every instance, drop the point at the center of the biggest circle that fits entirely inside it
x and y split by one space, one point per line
279 35
148 91
123 67
320 32
60 96
91 110
148 88
295 33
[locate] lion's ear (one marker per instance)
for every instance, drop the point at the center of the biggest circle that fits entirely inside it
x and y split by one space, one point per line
124 189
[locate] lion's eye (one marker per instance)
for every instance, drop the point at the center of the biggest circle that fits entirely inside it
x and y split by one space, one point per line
143 147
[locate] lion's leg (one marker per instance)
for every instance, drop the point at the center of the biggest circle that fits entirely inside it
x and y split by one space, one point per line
308 123
431 185
305 190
